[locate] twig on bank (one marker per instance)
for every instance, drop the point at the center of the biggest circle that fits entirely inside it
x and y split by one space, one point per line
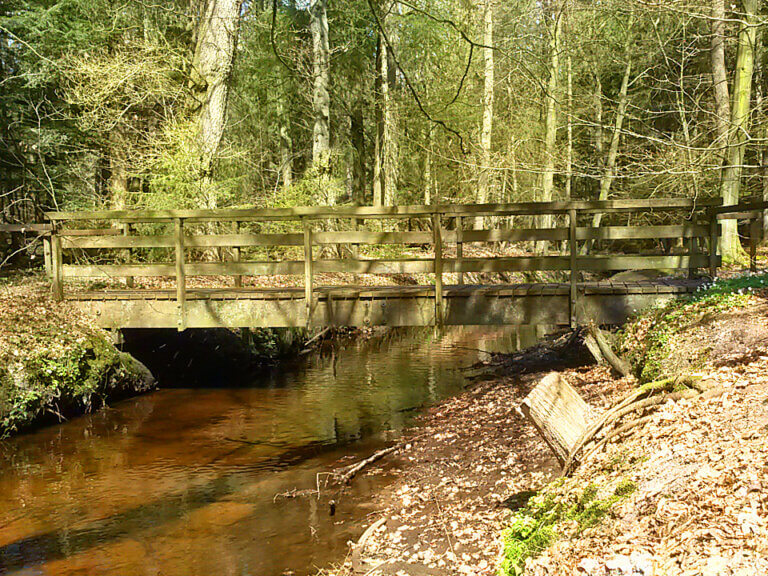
357 548
350 471
355 468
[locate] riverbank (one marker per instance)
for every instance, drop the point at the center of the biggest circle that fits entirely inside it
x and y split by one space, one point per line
680 493
55 362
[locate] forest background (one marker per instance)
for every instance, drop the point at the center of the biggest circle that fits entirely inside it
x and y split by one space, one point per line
212 103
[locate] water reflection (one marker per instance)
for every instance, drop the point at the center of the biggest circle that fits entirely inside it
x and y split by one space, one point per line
184 481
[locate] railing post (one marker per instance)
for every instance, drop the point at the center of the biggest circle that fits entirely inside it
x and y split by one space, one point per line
692 253
755 226
181 279
236 258
574 278
47 256
308 297
438 245
713 240
57 266
127 232
460 245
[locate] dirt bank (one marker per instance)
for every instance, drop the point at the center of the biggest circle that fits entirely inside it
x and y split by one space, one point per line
683 493
458 478
54 362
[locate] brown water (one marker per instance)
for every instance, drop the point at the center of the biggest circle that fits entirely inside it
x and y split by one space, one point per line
165 484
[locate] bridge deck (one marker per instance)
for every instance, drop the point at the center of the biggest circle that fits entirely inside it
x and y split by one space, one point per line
607 302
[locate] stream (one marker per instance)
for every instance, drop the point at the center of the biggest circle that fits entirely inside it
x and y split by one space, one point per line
203 481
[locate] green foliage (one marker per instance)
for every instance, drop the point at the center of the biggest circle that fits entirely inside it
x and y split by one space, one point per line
534 528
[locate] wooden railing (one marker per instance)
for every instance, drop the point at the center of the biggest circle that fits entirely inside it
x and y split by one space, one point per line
90 233
755 212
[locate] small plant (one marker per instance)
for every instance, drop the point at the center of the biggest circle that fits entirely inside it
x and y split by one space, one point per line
535 527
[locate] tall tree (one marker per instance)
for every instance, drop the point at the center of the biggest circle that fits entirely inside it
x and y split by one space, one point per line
321 78
730 246
486 132
553 14
216 38
719 75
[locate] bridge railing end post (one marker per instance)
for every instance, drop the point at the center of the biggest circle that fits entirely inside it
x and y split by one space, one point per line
181 279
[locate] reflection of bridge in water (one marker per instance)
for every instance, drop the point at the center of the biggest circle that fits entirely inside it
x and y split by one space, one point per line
316 244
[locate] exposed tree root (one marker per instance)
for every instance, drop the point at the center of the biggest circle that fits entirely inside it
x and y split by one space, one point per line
642 399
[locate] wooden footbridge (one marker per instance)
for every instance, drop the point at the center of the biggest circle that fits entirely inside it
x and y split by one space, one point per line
547 263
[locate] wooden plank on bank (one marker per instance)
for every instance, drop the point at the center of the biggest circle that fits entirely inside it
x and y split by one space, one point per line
558 412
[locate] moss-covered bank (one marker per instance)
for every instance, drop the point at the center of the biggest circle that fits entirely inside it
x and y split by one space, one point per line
54 362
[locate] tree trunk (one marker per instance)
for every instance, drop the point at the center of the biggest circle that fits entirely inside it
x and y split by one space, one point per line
598 134
550 119
118 176
428 191
286 143
378 145
613 151
730 246
486 134
321 99
569 152
389 151
719 76
357 137
216 37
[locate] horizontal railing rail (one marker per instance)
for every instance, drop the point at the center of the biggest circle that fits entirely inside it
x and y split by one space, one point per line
756 212
519 208
79 242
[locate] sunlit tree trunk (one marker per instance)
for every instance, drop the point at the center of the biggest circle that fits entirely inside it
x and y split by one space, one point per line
719 76
389 117
216 37
486 133
569 151
554 29
321 99
730 247
428 189
609 170
118 174
357 139
286 143
378 145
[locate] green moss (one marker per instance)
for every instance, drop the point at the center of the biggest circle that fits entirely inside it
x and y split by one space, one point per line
534 528
665 324
76 381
